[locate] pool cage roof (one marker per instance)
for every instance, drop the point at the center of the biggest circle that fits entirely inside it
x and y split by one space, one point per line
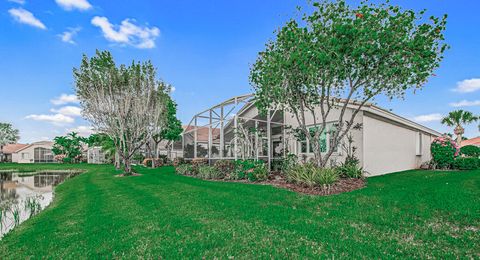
234 129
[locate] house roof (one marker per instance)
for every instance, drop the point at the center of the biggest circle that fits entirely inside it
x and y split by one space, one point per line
202 133
368 107
11 148
398 119
472 141
46 143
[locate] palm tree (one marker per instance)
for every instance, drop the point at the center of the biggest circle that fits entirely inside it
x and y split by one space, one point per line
458 118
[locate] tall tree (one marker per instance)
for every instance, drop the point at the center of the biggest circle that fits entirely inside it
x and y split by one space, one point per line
458 119
341 57
172 129
70 146
123 101
8 135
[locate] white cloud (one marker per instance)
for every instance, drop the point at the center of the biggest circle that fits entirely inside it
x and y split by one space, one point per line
22 2
67 36
127 33
68 111
57 119
428 118
82 130
65 99
466 103
23 16
172 89
69 5
467 86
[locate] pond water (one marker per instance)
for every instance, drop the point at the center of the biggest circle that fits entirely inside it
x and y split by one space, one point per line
24 194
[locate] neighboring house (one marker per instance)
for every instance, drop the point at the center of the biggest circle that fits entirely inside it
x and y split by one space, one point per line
95 155
472 141
38 152
8 150
235 130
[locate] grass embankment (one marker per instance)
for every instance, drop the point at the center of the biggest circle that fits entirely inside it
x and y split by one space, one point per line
159 214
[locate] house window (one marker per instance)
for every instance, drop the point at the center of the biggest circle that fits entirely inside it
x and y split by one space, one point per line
325 141
25 156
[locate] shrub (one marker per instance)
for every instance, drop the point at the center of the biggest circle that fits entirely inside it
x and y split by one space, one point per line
470 151
209 172
184 169
310 175
138 157
444 150
227 167
467 163
178 161
157 162
250 169
199 161
258 173
350 170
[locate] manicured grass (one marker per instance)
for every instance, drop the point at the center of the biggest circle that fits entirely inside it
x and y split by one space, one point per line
415 214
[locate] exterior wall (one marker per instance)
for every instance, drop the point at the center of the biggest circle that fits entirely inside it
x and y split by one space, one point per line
27 154
390 147
337 157
24 156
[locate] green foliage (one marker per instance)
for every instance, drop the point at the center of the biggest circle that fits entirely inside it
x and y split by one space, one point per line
350 170
467 163
127 102
259 173
250 169
173 128
443 151
8 134
459 117
184 169
209 172
470 151
70 146
227 167
283 165
310 175
139 157
339 52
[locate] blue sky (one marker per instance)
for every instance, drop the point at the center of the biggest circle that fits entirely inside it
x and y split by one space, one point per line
203 48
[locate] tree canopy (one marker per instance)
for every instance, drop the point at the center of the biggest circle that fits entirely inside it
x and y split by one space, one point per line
8 135
339 56
69 147
459 118
123 102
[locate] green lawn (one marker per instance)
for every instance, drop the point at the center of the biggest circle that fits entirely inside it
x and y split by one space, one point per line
415 214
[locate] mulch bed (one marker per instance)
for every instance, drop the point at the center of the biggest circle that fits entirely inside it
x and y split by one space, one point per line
131 175
276 180
343 185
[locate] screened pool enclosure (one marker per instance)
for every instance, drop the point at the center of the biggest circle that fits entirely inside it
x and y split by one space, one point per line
234 129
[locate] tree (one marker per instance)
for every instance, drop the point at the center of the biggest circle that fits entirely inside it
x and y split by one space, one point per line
70 146
8 135
172 129
340 56
122 102
458 118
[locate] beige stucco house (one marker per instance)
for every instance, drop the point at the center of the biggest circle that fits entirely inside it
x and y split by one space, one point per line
386 142
38 152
